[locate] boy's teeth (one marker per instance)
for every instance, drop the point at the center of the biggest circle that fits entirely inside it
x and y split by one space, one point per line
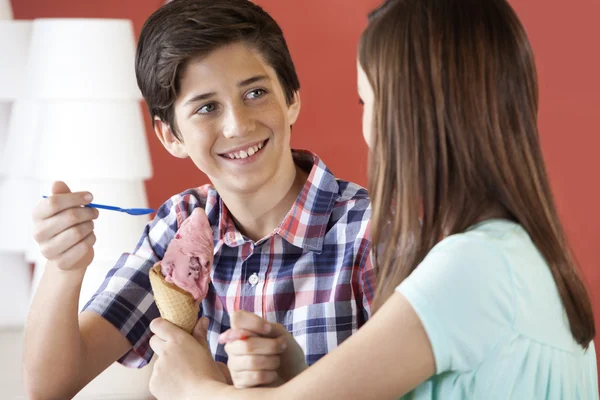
245 154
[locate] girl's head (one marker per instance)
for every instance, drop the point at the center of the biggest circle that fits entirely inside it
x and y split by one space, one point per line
451 103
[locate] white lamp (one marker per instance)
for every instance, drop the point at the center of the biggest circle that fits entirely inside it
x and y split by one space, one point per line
17 199
17 159
88 131
15 285
14 213
82 59
5 10
19 193
86 126
91 140
14 45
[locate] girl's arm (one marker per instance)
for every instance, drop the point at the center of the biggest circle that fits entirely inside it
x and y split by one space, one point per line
388 357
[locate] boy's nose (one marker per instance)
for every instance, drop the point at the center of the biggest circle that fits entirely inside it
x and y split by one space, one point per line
238 122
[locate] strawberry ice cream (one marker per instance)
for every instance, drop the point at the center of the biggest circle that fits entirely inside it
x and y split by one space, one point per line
189 256
180 280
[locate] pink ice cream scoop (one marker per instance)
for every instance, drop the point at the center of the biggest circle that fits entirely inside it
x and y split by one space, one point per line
189 256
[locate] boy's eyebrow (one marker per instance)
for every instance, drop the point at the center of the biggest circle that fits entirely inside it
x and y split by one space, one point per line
199 97
252 80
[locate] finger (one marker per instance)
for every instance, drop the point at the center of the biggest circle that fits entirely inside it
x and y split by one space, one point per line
225 371
48 228
59 202
76 253
166 330
231 335
157 344
254 323
59 187
247 379
256 346
158 326
254 363
66 239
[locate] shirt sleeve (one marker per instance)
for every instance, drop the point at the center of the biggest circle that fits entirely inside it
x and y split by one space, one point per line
358 227
464 296
125 298
366 275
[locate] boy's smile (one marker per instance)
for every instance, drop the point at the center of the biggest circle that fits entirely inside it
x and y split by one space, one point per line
232 116
245 154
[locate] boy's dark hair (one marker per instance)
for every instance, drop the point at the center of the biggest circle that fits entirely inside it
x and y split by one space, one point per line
183 30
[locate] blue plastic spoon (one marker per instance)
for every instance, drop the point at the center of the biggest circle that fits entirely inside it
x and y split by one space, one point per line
130 211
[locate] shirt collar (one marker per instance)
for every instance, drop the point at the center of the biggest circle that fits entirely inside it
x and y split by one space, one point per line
304 225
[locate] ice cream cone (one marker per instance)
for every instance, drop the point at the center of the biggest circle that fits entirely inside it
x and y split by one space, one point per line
175 305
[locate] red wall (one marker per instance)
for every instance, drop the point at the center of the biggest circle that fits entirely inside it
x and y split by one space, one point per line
322 35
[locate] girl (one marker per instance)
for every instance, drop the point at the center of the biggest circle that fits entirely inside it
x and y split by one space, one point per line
478 295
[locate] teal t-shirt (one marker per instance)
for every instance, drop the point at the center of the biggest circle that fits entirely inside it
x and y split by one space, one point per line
495 321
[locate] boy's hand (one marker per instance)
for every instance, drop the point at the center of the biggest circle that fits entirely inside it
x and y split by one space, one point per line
184 362
260 353
64 229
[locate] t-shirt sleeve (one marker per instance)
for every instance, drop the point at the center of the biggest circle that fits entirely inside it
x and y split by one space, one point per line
464 296
125 298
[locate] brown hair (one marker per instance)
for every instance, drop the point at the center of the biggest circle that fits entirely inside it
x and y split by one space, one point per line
455 129
183 30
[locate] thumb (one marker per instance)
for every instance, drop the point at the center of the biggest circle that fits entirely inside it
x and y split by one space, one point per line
200 331
60 187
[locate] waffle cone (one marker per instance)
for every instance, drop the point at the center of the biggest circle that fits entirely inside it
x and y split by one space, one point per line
175 305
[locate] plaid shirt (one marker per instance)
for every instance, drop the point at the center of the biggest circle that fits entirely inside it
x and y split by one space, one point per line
313 274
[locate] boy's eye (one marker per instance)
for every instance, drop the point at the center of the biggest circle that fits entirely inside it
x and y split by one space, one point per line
256 93
208 108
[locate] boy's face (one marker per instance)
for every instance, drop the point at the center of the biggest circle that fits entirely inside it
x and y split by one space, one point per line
233 118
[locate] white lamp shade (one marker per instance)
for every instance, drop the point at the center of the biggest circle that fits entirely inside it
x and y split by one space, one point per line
15 287
17 200
15 160
5 10
91 141
14 46
82 59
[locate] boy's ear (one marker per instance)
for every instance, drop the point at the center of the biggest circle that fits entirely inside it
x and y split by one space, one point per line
294 108
168 139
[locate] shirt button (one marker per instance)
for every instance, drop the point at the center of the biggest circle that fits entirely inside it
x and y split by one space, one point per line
253 280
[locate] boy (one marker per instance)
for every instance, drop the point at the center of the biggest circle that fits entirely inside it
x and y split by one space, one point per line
291 241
